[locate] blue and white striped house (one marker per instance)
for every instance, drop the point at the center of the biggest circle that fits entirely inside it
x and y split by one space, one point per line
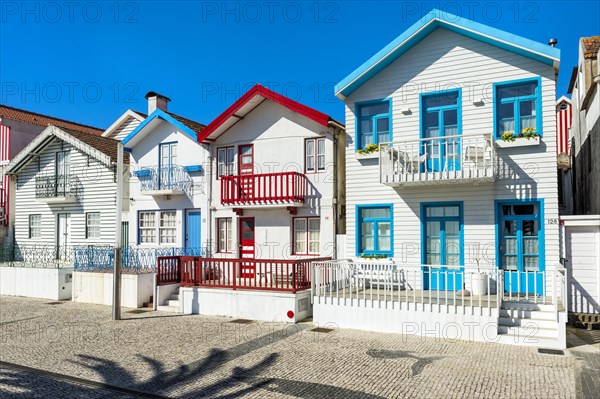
451 178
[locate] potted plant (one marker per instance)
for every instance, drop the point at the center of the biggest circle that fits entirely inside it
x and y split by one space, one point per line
479 282
528 136
369 151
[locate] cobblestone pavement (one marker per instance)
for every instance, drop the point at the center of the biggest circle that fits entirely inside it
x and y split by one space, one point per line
197 356
585 346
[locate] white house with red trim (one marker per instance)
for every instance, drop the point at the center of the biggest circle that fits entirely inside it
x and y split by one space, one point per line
451 177
276 202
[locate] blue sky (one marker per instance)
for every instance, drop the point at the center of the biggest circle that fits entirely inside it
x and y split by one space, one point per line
89 61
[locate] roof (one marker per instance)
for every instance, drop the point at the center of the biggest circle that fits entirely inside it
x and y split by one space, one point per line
252 99
442 19
104 149
129 114
186 126
33 118
563 99
590 46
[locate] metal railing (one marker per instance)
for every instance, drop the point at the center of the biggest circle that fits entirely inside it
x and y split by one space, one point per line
100 258
241 273
45 256
547 287
57 186
173 177
267 188
436 159
388 281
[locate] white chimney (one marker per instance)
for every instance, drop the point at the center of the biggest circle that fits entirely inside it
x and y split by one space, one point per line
156 100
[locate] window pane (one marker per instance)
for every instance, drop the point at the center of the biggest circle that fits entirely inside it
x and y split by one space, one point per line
509 262
441 99
310 147
374 109
433 229
366 126
321 146
520 90
383 125
300 236
452 246
314 232
167 228
452 229
366 139
530 246
510 246
383 213
530 263
450 118
509 228
451 211
431 119
433 245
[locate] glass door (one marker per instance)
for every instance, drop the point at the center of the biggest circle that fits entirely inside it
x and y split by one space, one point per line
440 126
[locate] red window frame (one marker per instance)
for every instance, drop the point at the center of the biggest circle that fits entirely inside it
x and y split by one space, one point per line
232 172
316 168
307 243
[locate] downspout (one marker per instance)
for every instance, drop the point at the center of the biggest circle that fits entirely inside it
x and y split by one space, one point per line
337 129
209 173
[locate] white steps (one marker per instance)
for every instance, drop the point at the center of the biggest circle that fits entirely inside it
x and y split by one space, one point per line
171 305
528 324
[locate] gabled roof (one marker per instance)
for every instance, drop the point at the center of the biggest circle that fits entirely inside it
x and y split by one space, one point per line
126 115
33 118
252 99
186 126
563 99
103 149
441 19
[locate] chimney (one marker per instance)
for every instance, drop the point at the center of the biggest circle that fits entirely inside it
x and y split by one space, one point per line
156 100
553 42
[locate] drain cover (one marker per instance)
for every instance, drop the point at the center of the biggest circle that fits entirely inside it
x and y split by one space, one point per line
242 321
551 351
54 303
323 330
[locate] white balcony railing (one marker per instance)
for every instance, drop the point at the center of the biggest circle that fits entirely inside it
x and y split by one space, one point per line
441 159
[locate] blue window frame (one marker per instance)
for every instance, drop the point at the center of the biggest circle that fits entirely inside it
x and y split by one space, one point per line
517 106
373 122
520 244
441 116
167 163
375 229
442 246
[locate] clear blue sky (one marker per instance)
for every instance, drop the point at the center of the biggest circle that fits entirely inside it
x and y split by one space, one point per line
89 61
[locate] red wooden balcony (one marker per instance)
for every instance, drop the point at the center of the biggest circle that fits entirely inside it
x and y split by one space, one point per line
284 188
289 275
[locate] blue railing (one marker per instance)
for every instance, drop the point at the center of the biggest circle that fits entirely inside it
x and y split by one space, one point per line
100 258
173 177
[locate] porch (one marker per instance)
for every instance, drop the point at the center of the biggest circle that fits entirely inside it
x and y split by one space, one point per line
438 160
264 190
481 304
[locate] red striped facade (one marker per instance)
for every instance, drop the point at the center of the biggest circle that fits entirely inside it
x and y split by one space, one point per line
564 117
4 158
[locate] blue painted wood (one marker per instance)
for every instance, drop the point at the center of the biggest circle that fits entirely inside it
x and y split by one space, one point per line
193 227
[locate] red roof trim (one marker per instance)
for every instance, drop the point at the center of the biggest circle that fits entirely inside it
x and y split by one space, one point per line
258 89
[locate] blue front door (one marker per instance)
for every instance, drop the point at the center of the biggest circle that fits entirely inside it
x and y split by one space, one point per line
193 239
439 132
443 246
520 247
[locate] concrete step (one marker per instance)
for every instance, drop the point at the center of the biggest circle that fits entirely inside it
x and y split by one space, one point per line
174 297
149 304
173 303
539 342
528 332
167 308
527 314
527 306
523 322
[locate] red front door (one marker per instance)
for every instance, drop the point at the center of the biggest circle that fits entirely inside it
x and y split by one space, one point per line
246 171
247 247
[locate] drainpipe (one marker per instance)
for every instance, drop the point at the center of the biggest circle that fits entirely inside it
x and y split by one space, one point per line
209 173
337 129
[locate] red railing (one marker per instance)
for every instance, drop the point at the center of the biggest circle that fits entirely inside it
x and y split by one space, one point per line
255 274
168 270
268 188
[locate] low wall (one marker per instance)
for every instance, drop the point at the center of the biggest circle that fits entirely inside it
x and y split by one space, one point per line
97 288
245 304
452 322
36 282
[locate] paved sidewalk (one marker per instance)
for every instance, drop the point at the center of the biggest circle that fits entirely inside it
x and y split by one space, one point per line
585 346
197 356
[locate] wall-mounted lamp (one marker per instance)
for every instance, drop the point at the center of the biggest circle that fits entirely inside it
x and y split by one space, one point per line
479 103
406 111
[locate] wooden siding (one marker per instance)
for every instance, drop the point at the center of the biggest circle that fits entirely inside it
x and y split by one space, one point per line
98 195
126 127
447 60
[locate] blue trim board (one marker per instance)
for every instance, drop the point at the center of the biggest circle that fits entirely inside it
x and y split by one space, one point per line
441 19
538 104
160 114
193 168
358 242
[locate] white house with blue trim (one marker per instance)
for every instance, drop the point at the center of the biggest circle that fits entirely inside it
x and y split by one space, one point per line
451 178
168 196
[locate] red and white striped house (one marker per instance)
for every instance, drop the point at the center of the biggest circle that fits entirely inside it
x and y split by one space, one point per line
564 119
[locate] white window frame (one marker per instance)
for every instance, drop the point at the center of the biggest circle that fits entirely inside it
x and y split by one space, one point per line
306 222
227 232
37 226
225 161
157 219
88 225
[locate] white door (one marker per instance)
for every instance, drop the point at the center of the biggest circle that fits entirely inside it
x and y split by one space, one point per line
582 244
63 230
63 168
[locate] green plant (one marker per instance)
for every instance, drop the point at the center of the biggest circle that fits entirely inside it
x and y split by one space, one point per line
527 133
508 136
368 149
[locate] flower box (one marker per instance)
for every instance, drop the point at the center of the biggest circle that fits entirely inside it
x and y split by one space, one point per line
371 155
518 142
